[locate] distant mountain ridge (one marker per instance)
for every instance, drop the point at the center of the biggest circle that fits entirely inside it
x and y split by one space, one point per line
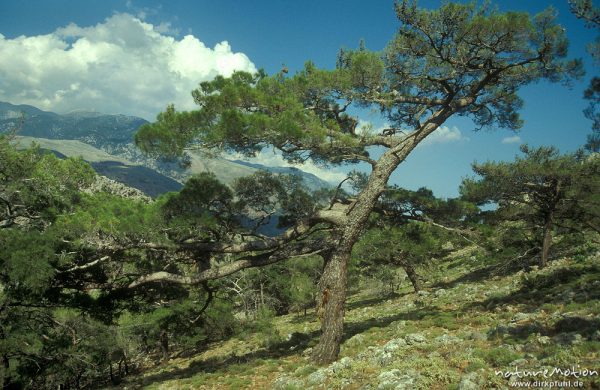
90 127
140 177
312 181
106 141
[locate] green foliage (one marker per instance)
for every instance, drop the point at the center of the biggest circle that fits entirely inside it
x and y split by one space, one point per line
536 195
22 252
109 215
441 43
382 251
35 186
406 232
592 112
284 287
497 357
204 208
262 327
180 322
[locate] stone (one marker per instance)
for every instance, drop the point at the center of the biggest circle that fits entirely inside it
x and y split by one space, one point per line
477 336
415 338
394 344
286 382
568 338
447 339
318 377
544 340
518 363
343 363
448 246
367 353
357 339
383 359
577 339
521 317
395 379
470 381
104 184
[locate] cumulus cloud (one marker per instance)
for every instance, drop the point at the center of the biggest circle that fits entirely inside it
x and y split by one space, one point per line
271 158
445 134
515 139
123 65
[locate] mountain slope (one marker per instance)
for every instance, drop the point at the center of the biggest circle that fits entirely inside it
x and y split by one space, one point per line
111 137
116 168
92 128
464 328
311 181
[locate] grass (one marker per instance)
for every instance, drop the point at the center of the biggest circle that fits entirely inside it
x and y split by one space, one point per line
481 311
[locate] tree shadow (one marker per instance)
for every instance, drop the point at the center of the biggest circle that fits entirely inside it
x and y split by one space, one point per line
298 342
563 330
353 328
547 288
474 276
375 300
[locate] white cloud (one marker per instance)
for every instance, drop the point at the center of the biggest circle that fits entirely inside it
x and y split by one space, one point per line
271 158
444 134
123 65
515 139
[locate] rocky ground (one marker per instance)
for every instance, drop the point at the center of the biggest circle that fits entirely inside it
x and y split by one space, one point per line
470 326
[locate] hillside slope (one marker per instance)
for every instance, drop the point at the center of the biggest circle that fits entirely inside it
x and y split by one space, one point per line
116 168
99 137
87 126
469 328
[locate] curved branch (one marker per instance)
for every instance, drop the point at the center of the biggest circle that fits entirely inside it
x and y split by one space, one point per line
228 269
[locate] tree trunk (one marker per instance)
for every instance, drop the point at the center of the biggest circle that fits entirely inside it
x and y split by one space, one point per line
333 283
112 376
412 276
330 308
262 295
547 240
4 371
164 343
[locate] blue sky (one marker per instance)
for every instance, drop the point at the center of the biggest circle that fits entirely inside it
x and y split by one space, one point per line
45 63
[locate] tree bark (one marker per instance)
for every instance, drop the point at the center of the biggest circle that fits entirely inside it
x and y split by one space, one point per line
4 379
164 343
547 240
412 276
330 308
333 283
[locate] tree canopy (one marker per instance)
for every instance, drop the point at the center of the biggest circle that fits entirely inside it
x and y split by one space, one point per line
544 189
460 59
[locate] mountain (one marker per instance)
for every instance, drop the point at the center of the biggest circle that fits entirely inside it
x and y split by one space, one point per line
145 179
106 141
99 130
310 180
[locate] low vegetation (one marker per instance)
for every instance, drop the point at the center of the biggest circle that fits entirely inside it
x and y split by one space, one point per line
471 319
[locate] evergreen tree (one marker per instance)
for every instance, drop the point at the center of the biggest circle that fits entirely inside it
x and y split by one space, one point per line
544 189
457 60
